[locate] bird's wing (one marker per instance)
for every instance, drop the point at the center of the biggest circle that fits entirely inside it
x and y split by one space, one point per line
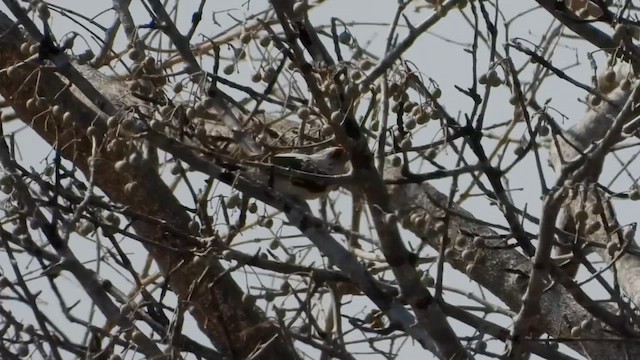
293 162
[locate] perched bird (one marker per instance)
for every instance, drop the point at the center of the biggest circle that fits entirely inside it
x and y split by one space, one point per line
307 176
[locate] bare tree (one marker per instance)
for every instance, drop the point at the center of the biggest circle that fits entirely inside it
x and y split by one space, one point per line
166 219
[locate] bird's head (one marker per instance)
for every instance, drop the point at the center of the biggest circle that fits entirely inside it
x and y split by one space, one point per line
332 160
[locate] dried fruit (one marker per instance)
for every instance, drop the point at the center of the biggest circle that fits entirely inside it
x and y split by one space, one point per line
344 37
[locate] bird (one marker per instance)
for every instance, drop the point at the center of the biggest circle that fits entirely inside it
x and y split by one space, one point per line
307 176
